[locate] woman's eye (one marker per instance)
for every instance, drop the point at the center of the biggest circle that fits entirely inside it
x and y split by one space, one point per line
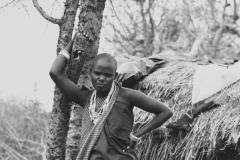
97 73
108 75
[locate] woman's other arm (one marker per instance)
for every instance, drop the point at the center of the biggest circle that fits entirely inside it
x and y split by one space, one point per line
162 112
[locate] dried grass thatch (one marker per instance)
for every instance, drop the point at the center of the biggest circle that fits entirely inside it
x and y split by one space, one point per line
213 133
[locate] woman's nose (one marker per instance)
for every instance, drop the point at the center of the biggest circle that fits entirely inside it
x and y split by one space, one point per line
101 78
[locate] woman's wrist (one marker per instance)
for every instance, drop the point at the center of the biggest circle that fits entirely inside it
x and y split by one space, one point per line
65 53
68 48
134 137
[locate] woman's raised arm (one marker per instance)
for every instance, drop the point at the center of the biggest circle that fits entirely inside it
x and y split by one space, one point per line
67 87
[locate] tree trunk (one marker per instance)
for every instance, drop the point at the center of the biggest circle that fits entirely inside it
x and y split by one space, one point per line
58 125
86 44
90 23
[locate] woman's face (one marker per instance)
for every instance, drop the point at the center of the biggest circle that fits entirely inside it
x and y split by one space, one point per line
103 74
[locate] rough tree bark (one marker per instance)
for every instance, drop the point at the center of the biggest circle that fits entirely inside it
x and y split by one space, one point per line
58 125
90 23
90 20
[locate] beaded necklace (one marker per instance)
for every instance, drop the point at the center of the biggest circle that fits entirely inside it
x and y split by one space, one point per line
95 113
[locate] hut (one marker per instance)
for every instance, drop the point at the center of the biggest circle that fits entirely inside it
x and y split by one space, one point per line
214 135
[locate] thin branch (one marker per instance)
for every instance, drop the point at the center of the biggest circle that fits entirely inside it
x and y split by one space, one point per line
188 31
122 36
24 7
144 23
7 4
150 5
161 17
212 9
45 15
13 151
235 14
31 142
123 46
226 4
133 19
118 41
55 2
123 28
189 15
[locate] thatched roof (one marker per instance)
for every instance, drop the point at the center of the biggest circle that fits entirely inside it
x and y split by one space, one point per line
173 85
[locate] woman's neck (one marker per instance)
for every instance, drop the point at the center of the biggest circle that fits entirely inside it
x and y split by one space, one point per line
102 93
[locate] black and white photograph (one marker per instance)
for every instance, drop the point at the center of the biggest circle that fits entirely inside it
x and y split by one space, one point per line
120 80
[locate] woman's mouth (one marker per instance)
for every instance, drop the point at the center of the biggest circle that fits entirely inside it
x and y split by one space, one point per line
100 85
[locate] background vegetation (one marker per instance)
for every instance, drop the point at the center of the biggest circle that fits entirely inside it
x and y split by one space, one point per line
135 27
23 130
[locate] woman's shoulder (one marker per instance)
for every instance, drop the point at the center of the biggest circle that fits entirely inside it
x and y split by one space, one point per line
128 93
123 97
125 91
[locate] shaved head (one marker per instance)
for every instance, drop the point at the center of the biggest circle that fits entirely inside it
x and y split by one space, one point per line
108 58
103 72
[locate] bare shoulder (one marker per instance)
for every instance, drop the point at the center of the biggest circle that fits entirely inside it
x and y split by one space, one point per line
129 91
142 101
130 95
125 92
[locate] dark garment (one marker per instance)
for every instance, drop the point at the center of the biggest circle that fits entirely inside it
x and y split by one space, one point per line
114 137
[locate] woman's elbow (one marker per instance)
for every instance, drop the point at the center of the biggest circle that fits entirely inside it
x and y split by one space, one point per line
169 113
53 74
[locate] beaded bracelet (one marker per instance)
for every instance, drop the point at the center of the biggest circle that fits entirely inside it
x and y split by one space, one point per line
65 54
134 138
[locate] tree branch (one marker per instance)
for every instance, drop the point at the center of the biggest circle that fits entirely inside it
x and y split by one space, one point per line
235 14
45 15
226 4
123 46
7 4
24 7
